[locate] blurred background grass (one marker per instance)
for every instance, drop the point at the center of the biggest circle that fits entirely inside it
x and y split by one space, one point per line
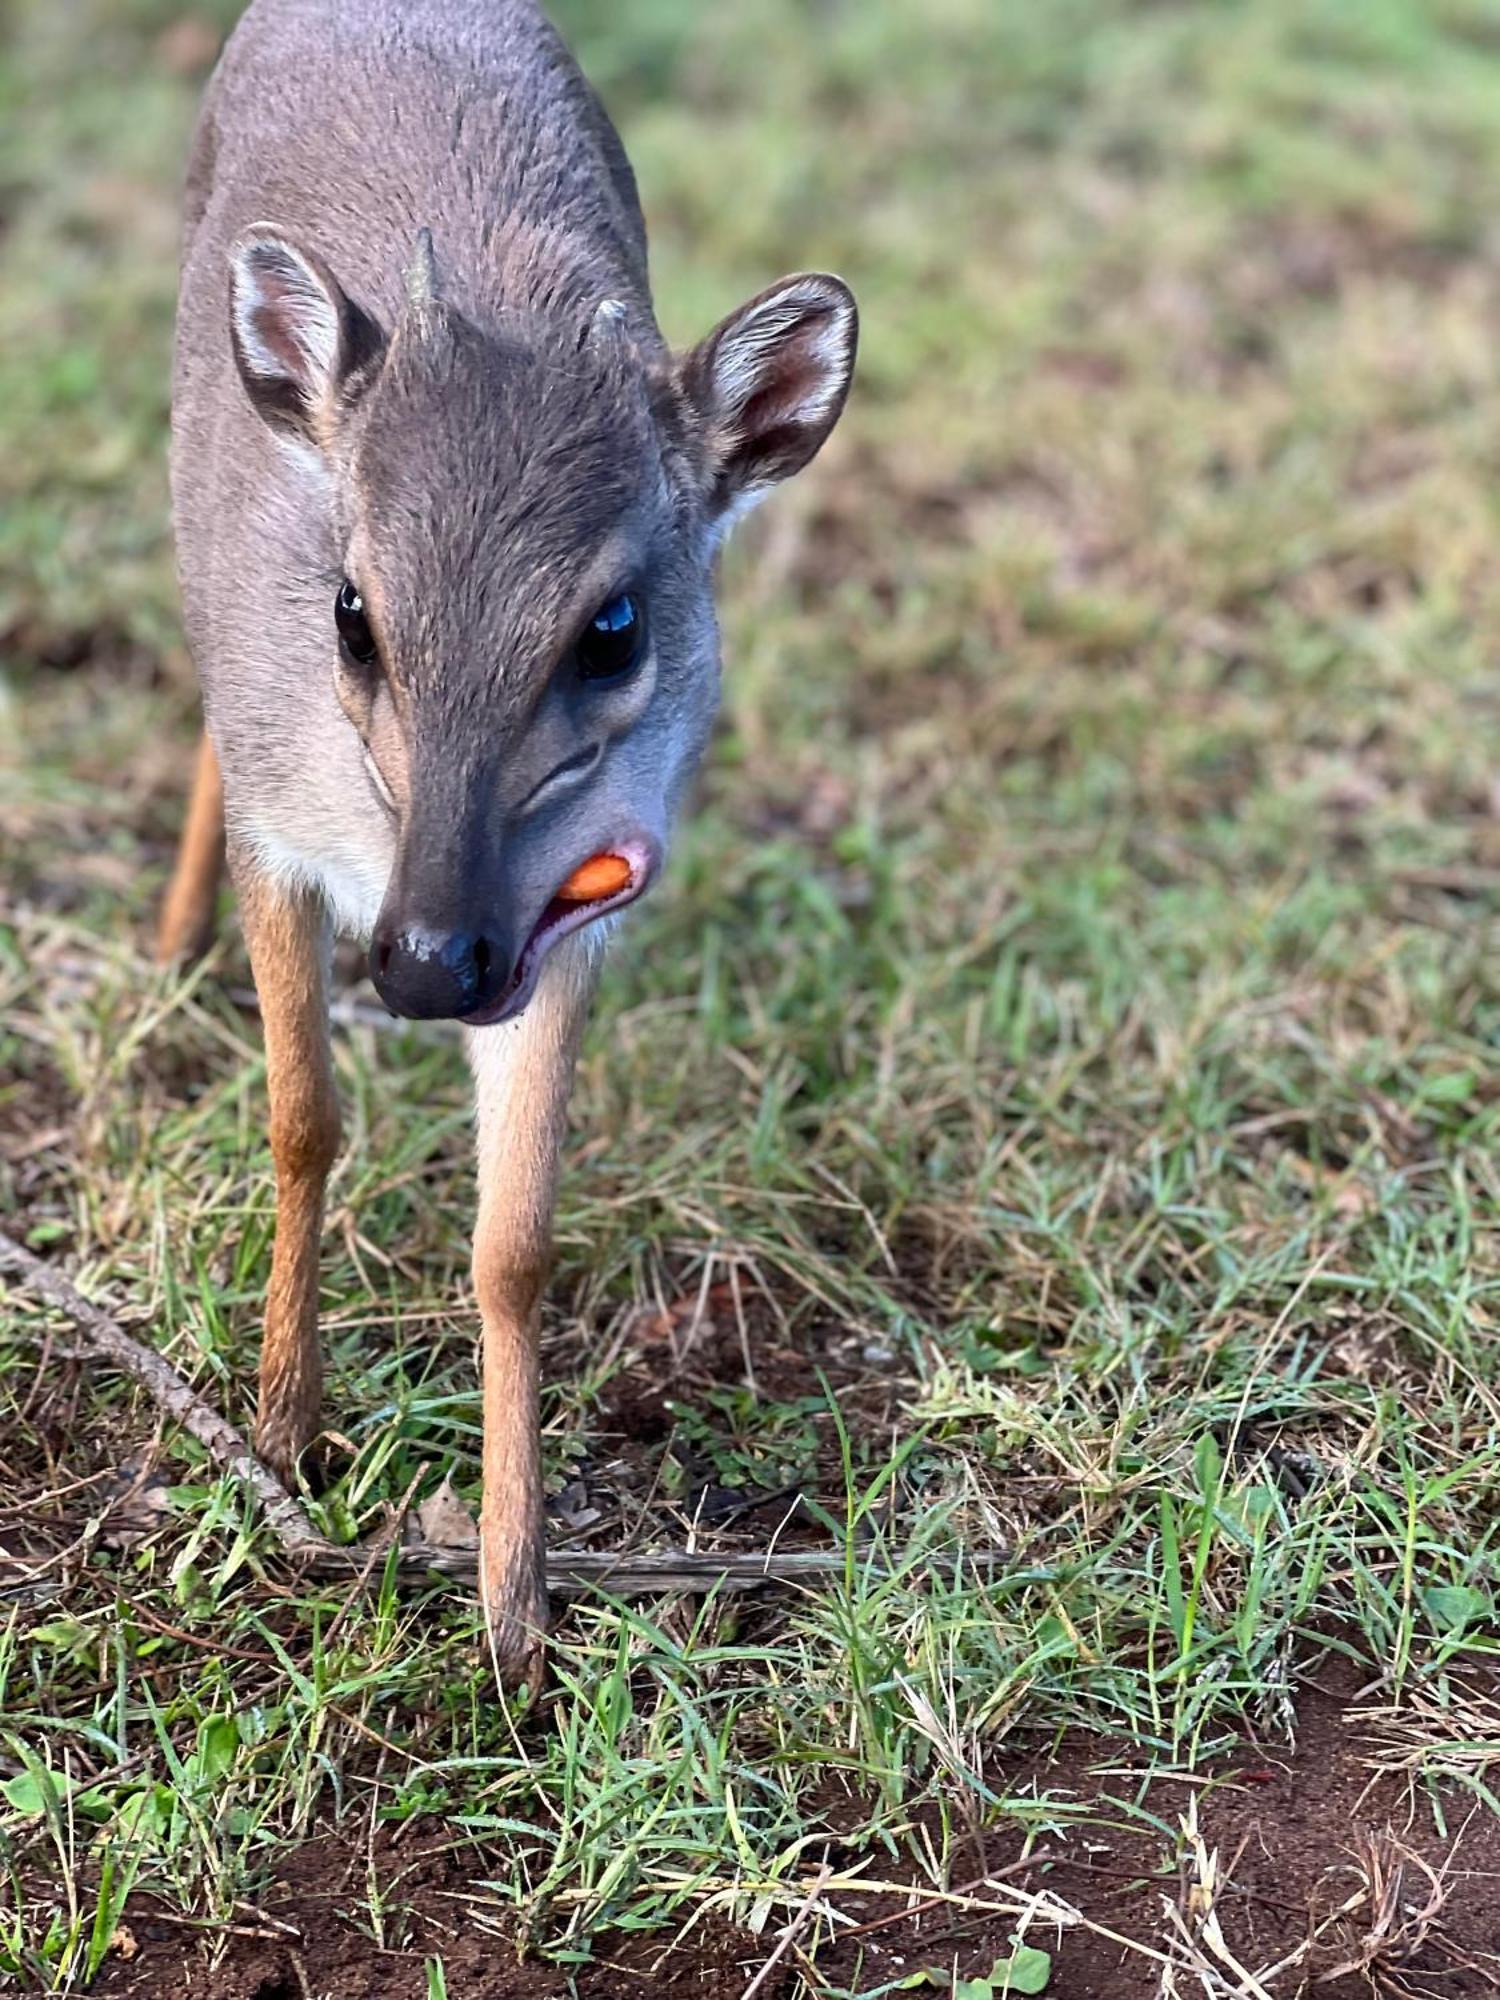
1077 993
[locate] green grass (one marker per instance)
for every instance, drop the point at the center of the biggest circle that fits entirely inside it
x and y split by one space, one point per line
1073 1002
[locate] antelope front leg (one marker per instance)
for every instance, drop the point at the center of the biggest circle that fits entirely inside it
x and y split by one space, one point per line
522 1074
288 936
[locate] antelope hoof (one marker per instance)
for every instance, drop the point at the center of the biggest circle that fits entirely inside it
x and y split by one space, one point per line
279 1445
520 1655
517 1617
522 1665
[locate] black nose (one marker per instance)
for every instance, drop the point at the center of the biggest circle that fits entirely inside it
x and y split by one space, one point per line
435 975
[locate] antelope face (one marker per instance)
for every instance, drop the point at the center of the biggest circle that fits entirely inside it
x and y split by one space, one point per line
521 625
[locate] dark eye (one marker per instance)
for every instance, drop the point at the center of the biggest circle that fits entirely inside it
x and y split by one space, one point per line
355 637
613 640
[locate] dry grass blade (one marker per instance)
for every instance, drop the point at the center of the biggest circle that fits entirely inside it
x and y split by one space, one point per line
1396 1930
1195 1919
1458 1736
791 1931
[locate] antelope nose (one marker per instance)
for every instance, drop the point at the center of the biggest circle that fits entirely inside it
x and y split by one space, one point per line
435 975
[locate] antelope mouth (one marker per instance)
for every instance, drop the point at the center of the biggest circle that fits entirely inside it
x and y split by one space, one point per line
561 917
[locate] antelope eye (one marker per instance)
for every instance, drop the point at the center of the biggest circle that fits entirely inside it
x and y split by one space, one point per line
613 640
356 640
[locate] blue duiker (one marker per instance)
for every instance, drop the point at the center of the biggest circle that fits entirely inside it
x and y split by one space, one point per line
447 510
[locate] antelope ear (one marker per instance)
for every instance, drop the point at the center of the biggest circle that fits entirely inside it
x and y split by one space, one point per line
297 336
769 383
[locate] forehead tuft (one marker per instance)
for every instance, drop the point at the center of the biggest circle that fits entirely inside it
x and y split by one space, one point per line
495 464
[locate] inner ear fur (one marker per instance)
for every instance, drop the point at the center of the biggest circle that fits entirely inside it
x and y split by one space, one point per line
300 342
769 382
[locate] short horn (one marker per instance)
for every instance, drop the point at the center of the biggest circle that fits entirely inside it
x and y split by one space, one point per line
421 276
609 324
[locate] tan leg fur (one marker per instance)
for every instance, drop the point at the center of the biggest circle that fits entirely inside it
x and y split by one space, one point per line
288 938
522 1073
185 929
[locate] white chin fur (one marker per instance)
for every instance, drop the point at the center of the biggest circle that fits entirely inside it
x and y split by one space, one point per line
352 892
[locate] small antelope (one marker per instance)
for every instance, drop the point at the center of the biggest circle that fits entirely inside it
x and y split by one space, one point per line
446 511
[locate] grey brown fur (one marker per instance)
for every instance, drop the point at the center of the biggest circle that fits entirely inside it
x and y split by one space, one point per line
416 349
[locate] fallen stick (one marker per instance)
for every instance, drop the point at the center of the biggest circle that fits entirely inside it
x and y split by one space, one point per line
569 1573
572 1573
165 1386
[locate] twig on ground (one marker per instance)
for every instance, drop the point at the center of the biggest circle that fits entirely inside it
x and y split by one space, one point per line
161 1381
923 1903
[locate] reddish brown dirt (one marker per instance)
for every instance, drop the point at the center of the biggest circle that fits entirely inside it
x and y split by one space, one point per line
1286 1827
1288 1830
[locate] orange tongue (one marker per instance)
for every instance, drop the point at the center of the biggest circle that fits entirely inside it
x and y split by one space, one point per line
601 875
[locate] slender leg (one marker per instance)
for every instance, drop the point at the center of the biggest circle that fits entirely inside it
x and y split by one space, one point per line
288 936
185 928
522 1075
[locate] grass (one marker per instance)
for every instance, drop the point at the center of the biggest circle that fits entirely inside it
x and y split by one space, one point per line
1065 1036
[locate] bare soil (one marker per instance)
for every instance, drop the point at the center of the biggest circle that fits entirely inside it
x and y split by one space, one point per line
1294 1832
